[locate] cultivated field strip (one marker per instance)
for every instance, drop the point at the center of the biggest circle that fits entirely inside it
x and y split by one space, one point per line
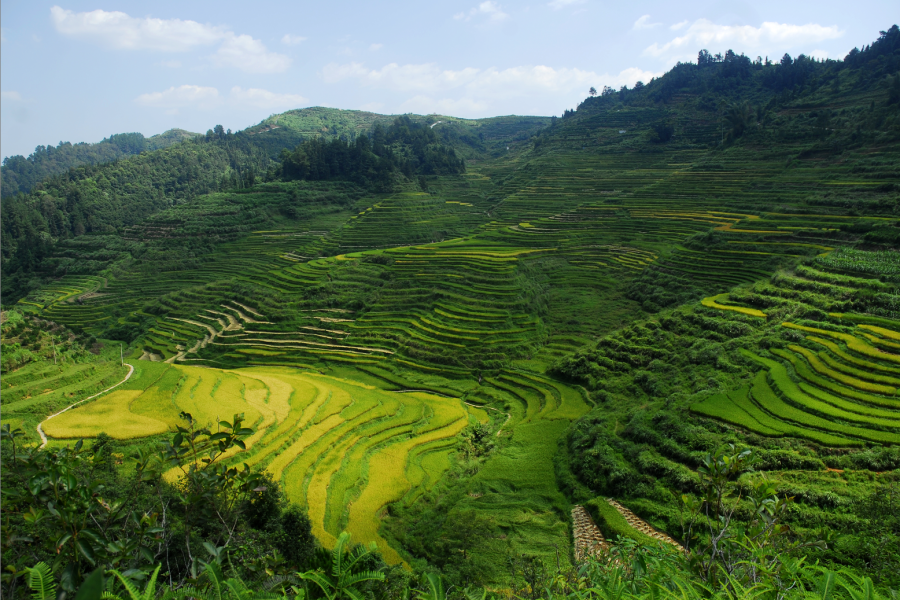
342 449
837 382
598 219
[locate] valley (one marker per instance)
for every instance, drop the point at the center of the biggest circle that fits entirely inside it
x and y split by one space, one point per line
539 349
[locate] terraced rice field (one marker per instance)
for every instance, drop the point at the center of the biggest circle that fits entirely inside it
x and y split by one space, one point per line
342 449
589 221
837 383
467 294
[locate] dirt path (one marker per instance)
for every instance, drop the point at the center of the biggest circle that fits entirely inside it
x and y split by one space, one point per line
250 310
243 317
642 525
40 429
589 541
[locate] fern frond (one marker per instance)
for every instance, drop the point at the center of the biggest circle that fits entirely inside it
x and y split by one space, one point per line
40 580
150 588
133 592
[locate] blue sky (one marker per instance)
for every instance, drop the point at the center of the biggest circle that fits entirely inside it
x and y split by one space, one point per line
82 70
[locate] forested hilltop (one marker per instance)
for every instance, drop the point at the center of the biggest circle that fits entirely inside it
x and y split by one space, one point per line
646 349
19 174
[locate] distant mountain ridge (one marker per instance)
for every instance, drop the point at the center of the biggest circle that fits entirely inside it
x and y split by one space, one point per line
19 174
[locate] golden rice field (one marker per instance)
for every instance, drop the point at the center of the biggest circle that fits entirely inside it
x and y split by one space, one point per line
341 448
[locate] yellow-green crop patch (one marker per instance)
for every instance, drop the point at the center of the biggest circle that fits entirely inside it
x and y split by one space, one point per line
715 302
341 448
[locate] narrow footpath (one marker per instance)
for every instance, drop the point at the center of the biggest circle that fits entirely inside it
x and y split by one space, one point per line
40 428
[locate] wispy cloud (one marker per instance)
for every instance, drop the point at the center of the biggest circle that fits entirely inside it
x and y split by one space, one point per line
396 77
680 25
205 98
181 96
376 47
11 96
265 99
292 40
249 55
120 31
472 91
487 10
770 37
560 4
644 23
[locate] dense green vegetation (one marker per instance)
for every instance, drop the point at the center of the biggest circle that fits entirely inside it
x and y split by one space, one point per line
20 174
405 146
676 306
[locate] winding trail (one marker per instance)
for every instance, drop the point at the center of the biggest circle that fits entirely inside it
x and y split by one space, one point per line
40 429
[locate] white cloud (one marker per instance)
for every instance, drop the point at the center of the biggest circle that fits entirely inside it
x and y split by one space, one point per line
424 104
118 30
376 47
474 91
249 55
819 54
265 99
172 64
12 96
559 4
292 40
678 26
488 9
769 37
396 77
205 98
181 96
644 23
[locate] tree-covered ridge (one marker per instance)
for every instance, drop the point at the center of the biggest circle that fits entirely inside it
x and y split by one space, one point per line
20 174
103 199
405 147
830 105
735 75
470 137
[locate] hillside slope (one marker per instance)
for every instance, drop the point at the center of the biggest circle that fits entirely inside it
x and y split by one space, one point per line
98 199
20 174
710 258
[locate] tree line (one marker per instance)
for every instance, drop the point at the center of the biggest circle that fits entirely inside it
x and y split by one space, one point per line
405 147
20 174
